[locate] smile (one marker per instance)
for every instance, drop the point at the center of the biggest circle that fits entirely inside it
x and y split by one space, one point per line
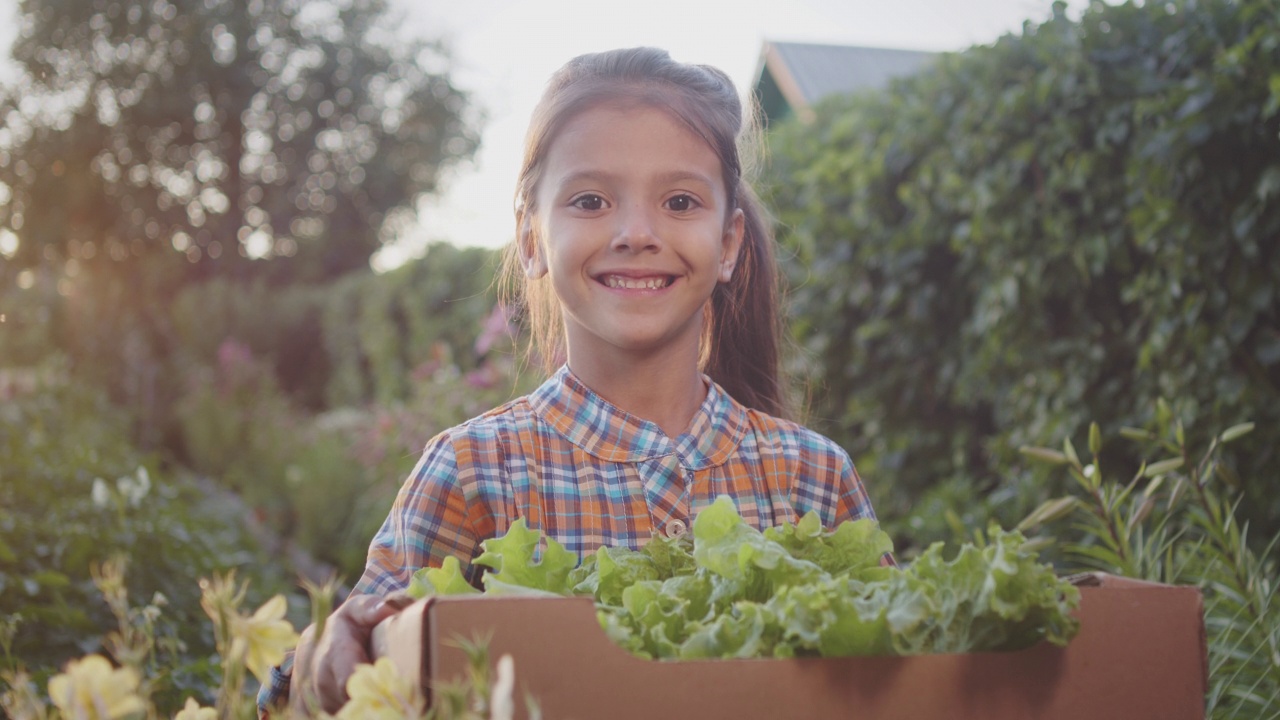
629 283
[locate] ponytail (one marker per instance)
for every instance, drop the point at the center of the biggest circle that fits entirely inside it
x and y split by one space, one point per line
742 348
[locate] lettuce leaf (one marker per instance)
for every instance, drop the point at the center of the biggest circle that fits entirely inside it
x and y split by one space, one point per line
445 580
511 560
730 591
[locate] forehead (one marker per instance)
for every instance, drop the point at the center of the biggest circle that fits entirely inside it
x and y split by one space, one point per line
631 140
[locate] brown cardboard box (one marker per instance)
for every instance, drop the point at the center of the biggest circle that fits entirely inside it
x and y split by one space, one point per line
1140 654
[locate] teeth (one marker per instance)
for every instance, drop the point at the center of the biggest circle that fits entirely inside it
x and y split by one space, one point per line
653 283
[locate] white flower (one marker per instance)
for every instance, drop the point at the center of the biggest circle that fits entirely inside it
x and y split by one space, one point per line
134 488
502 706
101 494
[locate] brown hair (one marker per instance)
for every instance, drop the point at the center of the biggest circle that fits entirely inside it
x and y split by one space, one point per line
740 348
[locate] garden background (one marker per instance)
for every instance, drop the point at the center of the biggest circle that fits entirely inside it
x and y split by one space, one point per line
1076 224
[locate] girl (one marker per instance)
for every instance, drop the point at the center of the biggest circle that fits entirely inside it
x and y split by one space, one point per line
645 261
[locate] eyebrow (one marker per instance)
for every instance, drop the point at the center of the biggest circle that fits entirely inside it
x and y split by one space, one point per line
674 176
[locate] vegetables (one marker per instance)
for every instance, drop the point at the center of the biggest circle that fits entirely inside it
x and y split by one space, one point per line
792 590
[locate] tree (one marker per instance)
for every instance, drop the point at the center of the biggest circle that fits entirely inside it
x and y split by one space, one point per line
149 144
228 132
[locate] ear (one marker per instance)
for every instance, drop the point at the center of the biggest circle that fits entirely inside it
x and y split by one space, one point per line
734 231
531 255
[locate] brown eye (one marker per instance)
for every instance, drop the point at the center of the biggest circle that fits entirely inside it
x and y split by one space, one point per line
588 202
681 203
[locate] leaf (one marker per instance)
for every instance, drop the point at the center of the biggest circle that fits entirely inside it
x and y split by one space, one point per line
1070 451
511 559
1164 466
1136 433
448 579
1049 511
1045 454
794 590
1095 439
1236 431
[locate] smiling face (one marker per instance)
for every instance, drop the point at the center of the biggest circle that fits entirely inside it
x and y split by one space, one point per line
632 225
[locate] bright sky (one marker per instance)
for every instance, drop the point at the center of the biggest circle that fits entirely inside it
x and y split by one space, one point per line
504 51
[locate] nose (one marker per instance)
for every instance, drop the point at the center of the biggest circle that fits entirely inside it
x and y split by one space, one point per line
635 231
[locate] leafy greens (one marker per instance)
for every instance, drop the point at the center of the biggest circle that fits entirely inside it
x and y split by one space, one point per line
732 591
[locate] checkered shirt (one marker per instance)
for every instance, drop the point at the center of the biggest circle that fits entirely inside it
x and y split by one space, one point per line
589 475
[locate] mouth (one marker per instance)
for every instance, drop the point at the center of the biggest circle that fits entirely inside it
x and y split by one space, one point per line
649 282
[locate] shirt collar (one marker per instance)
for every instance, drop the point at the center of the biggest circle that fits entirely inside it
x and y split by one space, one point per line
614 435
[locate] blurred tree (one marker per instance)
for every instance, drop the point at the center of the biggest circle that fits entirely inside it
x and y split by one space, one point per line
228 132
147 144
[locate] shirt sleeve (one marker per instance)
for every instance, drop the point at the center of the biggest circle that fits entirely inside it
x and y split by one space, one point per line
430 520
274 694
852 503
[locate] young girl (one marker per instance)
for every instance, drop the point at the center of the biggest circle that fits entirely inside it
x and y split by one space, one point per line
646 262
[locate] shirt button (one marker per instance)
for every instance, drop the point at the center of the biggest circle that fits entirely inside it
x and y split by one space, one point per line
676 528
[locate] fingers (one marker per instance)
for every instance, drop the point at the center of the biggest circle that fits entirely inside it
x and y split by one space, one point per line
302 684
398 600
322 672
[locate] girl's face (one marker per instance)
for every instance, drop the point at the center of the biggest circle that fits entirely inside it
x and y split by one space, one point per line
632 225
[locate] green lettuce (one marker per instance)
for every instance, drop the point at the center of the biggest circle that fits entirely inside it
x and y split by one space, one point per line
731 591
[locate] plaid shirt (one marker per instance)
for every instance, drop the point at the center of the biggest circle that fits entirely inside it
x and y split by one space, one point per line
589 475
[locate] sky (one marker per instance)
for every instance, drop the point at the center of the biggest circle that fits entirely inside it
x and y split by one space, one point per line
503 52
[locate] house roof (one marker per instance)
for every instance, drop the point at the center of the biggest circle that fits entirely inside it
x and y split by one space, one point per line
794 76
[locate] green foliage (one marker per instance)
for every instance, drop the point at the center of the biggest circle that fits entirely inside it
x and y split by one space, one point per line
326 481
73 493
380 328
1174 521
516 562
28 329
260 360
146 146
93 687
1059 227
224 132
348 342
791 590
282 325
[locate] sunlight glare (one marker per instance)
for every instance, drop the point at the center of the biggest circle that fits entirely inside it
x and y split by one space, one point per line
8 243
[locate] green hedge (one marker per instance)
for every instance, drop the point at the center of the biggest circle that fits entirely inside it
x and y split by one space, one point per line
1065 225
74 492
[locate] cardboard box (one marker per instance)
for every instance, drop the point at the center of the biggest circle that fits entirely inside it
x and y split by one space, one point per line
1140 654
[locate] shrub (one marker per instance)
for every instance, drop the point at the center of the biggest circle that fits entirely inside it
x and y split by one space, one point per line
1060 227
74 492
1174 521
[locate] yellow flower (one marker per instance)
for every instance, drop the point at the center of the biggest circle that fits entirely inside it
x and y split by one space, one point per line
193 711
91 689
380 692
263 639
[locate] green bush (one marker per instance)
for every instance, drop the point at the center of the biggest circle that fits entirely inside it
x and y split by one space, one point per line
1173 520
280 324
237 426
326 481
380 328
73 494
1060 227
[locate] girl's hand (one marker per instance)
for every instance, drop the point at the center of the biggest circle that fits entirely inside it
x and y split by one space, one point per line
321 667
